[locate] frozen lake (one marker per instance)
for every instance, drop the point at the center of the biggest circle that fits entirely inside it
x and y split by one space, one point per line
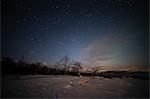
49 86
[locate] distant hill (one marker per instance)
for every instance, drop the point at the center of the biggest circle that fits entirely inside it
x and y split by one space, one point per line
118 68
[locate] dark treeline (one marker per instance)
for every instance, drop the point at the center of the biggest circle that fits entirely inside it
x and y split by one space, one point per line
11 67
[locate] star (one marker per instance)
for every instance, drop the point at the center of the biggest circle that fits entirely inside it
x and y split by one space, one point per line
31 18
120 0
96 11
17 22
68 5
40 40
29 8
66 13
74 40
40 45
34 17
63 23
32 39
17 5
29 56
130 9
56 7
24 20
52 7
54 22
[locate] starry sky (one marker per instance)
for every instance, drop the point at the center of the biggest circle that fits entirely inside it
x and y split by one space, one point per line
94 32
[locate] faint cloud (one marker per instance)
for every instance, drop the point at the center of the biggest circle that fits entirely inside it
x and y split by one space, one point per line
103 50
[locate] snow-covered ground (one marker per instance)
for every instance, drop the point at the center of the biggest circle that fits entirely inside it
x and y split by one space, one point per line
49 86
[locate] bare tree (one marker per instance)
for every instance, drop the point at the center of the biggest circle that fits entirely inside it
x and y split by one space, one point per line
95 70
66 63
77 67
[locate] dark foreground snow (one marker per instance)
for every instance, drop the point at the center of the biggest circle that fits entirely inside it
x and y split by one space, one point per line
48 86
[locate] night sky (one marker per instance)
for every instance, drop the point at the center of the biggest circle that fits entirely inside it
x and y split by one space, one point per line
94 32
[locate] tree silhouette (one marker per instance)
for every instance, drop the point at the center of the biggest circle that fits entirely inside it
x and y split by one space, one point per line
77 67
66 63
95 70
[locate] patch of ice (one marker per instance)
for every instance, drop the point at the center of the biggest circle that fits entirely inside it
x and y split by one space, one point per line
68 86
